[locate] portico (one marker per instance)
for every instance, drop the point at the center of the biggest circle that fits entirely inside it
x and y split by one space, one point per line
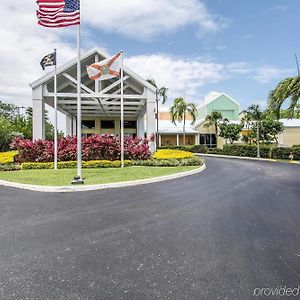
100 101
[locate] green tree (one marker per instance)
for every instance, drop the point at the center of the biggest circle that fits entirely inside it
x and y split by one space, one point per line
160 95
256 115
179 111
269 130
214 119
288 88
230 132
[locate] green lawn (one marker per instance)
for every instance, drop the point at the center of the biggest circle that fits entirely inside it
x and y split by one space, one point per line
91 176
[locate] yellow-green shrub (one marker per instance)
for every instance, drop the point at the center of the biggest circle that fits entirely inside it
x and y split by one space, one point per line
7 157
172 154
73 164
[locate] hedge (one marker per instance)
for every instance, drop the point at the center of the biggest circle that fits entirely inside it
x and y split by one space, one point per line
194 161
73 164
190 148
245 150
10 167
283 153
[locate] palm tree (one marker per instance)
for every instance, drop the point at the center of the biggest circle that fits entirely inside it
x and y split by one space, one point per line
160 94
256 114
179 110
214 119
288 88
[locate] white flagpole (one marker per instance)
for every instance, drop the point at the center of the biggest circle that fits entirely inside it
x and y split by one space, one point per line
55 108
122 113
79 163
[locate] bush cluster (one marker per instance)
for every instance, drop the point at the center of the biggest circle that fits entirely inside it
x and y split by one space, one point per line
97 147
9 167
247 151
193 161
190 148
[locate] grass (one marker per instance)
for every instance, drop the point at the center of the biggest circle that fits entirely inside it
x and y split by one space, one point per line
91 176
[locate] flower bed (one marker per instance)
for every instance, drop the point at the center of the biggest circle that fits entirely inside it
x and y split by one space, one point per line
97 147
7 157
172 154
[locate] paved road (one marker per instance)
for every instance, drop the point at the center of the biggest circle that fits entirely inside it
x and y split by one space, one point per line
216 235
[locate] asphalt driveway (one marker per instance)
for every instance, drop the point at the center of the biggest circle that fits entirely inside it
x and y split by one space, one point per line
220 234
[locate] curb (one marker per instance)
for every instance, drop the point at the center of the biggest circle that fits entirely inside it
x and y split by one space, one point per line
246 158
65 189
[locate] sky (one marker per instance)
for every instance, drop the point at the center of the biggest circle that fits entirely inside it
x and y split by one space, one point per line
192 47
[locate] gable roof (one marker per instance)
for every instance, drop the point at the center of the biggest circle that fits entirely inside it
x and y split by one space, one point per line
212 99
84 56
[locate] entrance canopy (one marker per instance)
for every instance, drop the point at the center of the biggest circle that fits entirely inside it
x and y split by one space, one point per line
98 98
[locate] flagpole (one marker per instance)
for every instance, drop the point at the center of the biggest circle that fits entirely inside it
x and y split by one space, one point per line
122 113
78 179
55 108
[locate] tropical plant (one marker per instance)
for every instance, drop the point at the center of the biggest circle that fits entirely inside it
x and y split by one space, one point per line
256 115
160 95
230 132
179 111
288 88
214 119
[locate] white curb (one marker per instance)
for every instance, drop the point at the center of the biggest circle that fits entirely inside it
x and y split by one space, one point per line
243 157
82 188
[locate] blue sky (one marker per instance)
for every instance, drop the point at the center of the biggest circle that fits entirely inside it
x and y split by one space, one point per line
193 47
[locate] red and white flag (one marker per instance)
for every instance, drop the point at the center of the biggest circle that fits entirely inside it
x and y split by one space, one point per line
58 13
105 69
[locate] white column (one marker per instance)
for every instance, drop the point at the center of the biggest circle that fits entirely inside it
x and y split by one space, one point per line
141 126
159 140
69 125
38 114
74 126
150 111
177 139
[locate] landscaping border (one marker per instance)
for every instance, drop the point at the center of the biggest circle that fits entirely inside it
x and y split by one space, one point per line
82 188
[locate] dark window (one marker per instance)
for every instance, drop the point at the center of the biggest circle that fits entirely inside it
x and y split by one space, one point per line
88 124
209 140
129 124
107 124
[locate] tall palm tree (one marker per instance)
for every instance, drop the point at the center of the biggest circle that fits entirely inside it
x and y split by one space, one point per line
160 95
180 109
288 88
214 119
256 114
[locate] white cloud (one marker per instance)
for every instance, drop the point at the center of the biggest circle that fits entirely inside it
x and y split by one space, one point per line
183 76
262 74
145 19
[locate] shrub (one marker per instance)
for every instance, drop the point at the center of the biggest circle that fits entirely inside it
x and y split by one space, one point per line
247 150
169 154
10 167
190 148
194 161
7 157
283 153
97 147
73 164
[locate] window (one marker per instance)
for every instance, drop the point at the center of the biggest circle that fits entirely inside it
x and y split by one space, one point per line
88 124
208 140
129 124
107 124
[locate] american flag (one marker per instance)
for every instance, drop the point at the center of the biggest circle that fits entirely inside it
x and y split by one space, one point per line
58 13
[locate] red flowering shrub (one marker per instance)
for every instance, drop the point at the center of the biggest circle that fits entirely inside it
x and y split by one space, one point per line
97 147
136 148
